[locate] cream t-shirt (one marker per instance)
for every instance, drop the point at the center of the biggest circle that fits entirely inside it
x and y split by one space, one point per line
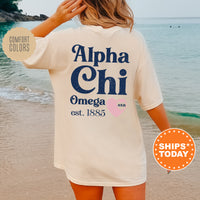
97 74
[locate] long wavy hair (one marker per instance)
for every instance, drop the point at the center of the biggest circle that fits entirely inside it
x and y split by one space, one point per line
107 13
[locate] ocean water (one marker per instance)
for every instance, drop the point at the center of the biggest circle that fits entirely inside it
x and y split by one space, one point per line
174 44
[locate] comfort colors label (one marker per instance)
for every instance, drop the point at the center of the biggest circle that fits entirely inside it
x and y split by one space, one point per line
18 44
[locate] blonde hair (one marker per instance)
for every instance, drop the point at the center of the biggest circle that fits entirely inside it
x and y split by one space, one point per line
107 13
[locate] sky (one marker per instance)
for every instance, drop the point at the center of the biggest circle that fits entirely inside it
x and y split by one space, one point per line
141 8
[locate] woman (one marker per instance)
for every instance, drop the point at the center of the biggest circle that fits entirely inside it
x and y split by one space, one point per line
97 70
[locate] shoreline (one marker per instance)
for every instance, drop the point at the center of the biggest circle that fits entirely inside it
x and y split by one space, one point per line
26 159
19 17
187 123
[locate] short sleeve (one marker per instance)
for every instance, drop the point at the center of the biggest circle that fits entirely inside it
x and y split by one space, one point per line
48 53
147 90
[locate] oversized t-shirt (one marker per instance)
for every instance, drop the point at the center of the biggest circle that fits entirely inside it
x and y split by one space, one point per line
97 75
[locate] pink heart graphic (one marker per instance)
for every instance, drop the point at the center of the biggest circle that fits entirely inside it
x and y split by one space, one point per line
112 105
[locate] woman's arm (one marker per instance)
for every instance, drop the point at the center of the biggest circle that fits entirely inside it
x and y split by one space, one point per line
65 11
158 115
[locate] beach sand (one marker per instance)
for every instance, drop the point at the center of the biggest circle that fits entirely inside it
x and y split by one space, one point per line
26 159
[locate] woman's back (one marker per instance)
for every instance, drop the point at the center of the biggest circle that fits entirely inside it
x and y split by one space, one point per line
96 75
97 71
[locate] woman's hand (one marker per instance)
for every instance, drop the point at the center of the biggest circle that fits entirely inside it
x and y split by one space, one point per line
168 171
67 10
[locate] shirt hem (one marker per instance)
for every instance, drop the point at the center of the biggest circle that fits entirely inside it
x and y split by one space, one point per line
96 183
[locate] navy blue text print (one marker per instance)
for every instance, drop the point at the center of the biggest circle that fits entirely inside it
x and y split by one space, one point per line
96 57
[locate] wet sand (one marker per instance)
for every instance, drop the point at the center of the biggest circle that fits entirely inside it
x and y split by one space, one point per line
26 159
